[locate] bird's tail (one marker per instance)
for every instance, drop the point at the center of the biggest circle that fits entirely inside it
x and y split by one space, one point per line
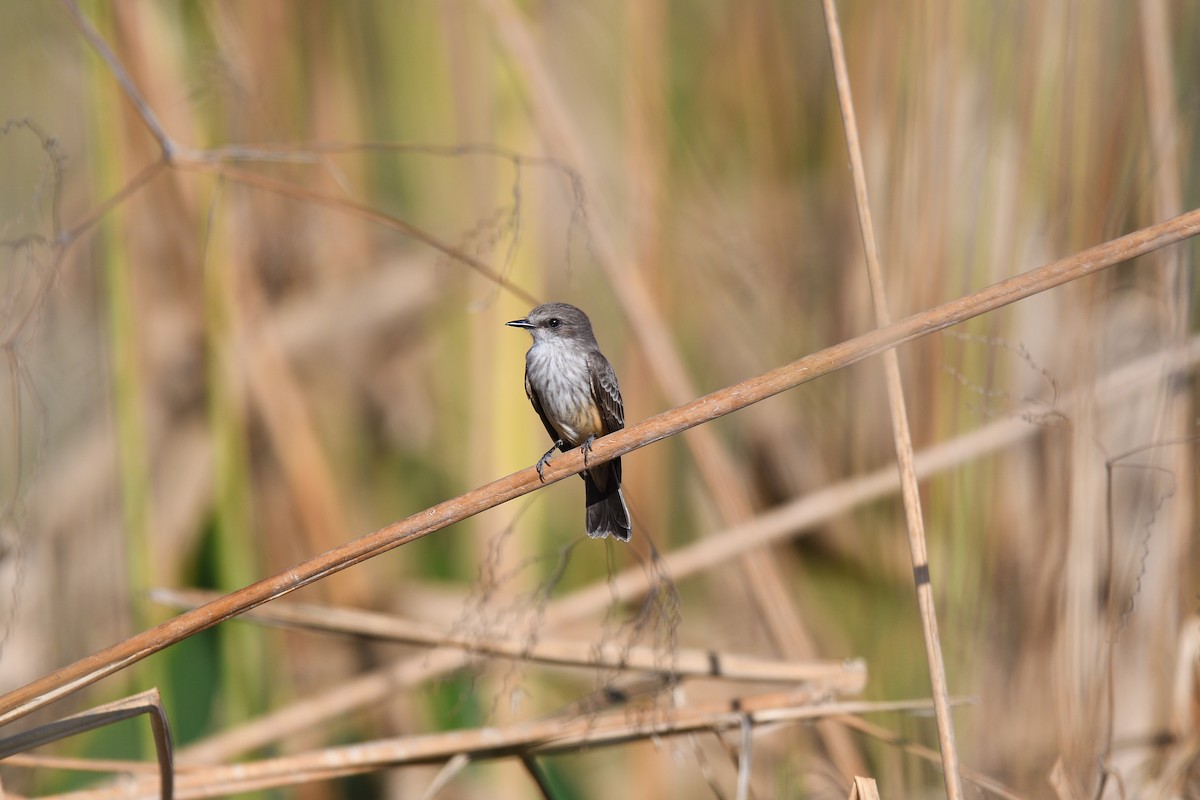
606 510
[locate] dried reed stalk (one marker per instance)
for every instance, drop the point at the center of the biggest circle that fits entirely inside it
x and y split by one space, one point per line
901 434
846 677
863 789
541 737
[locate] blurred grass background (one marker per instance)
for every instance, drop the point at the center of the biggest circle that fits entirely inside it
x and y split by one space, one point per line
222 381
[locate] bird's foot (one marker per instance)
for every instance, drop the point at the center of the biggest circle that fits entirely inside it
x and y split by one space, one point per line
544 460
586 447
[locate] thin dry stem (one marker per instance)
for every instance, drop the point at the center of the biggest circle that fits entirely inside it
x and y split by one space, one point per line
38 761
863 789
846 677
541 737
899 415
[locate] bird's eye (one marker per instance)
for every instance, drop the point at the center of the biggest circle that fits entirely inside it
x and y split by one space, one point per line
554 322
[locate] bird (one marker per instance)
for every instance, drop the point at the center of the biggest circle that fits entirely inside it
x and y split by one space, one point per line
574 391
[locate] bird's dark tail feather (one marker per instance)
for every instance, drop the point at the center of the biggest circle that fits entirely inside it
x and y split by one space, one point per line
606 510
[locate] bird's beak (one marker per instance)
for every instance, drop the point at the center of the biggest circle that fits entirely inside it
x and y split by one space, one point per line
520 323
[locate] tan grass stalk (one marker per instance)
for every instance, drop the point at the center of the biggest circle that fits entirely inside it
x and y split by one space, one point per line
863 789
541 737
1164 145
744 759
1173 286
846 677
899 415
60 683
44 762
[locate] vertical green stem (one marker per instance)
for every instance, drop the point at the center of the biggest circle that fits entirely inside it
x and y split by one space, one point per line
235 561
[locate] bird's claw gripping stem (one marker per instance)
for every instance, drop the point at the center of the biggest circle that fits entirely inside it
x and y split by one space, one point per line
544 460
586 447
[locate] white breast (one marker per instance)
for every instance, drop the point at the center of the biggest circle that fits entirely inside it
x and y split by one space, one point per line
560 377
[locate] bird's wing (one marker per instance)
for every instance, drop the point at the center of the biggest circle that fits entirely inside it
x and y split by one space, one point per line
606 392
